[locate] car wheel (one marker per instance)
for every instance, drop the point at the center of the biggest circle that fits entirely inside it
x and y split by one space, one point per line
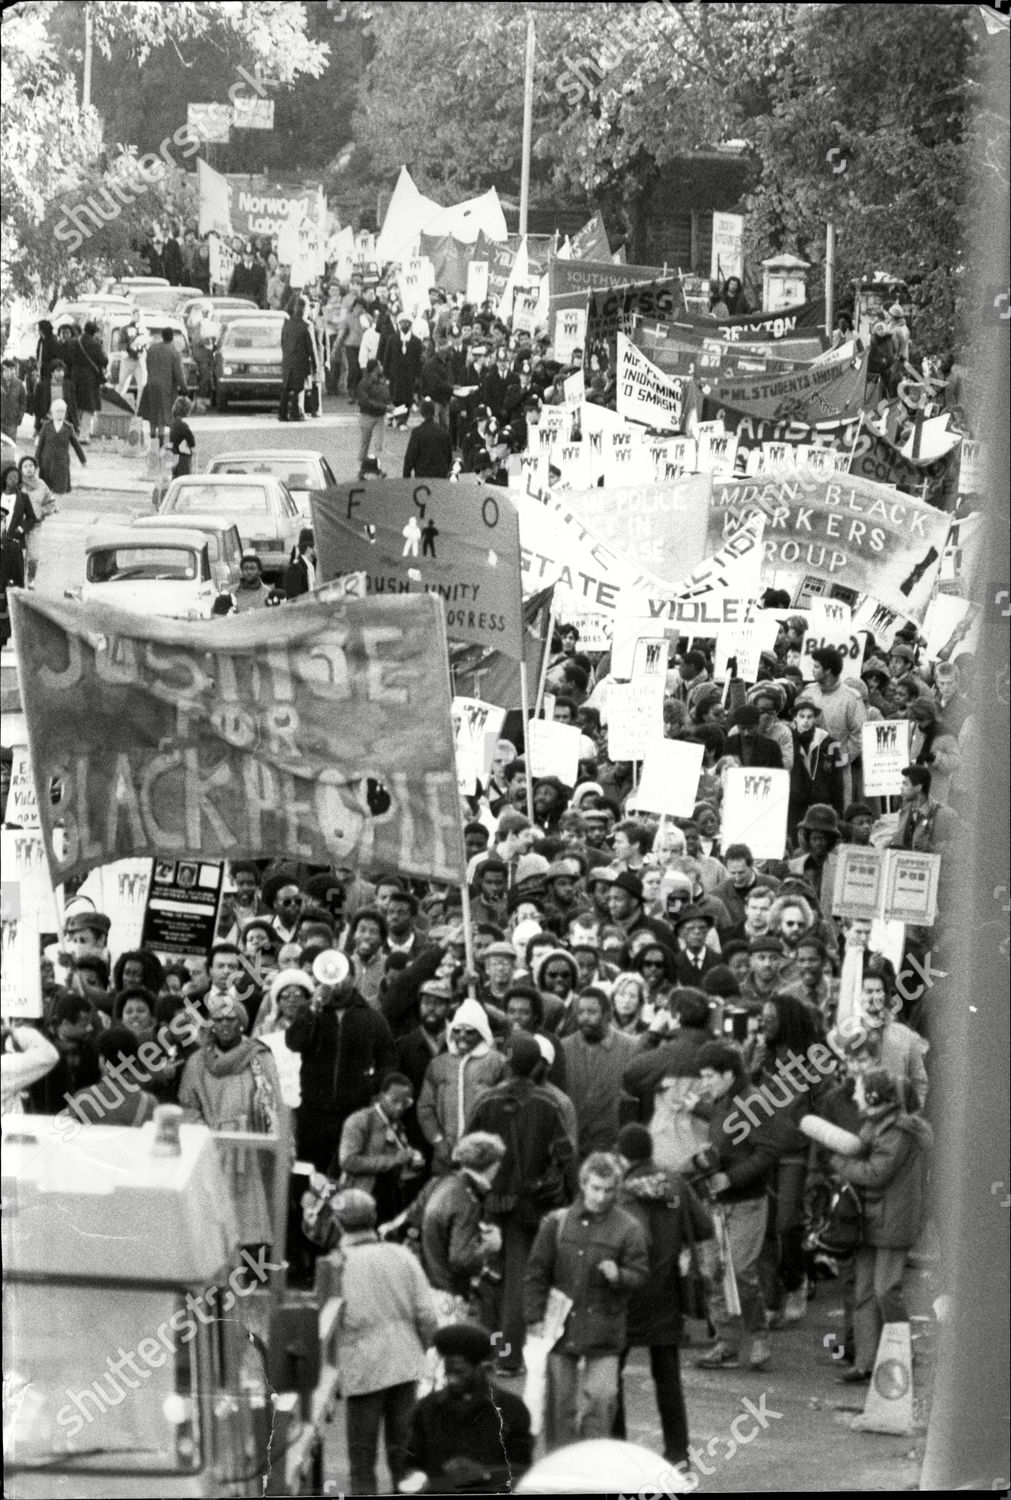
220 400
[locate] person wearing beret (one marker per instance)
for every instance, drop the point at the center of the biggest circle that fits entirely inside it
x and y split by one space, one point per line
472 1437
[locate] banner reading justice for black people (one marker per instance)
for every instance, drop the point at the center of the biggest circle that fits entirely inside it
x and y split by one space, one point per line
321 734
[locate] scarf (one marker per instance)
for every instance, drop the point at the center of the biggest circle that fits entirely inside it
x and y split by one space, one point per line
247 1055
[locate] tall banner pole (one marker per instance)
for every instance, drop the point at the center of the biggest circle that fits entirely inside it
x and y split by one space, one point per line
525 711
829 278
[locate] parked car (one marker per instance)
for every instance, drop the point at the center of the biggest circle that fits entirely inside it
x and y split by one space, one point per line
259 505
247 359
149 293
224 545
184 308
165 572
299 470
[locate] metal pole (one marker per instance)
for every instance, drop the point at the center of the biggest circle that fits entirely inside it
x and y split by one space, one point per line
86 88
528 122
829 277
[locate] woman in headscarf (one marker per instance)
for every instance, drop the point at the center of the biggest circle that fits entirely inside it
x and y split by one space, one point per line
629 998
232 1084
35 488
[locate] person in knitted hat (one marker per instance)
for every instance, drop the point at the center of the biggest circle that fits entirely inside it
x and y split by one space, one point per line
891 1174
456 1080
770 700
746 742
858 823
674 1219
471 1437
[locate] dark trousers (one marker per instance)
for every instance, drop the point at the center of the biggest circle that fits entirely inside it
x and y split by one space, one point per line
670 1399
288 409
517 1244
354 369
390 1408
318 1135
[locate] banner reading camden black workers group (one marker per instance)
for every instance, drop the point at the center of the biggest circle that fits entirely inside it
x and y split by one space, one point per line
845 530
321 734
430 536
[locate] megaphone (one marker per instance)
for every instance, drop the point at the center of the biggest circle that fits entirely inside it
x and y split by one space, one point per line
330 967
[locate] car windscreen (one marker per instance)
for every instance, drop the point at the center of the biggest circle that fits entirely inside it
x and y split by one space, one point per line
252 336
231 500
304 477
116 564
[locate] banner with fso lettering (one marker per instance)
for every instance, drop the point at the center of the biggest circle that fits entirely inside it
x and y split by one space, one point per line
845 530
430 536
320 734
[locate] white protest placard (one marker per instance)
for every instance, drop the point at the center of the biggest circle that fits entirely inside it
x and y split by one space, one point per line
755 805
553 423
728 247
972 467
477 282
595 631
475 724
22 807
670 778
717 452
525 311
645 393
120 890
23 859
574 388
571 461
570 333
885 754
951 619
910 886
669 458
634 717
830 623
857 887
626 461
745 640
553 750
822 461
528 471
20 973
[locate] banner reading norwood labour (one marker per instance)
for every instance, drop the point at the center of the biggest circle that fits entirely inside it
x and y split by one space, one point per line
321 734
845 530
430 536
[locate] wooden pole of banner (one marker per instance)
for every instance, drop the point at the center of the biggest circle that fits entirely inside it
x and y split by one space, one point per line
468 940
829 277
542 680
525 711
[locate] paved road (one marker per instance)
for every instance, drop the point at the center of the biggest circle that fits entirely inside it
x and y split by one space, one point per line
808 1445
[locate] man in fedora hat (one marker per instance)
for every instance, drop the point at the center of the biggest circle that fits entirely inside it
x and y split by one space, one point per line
626 907
346 1047
696 957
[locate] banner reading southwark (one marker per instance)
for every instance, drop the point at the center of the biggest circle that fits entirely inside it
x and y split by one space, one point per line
321 733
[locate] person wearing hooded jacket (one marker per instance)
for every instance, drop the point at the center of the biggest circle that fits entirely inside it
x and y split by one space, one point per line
816 774
558 1007
891 1172
456 1080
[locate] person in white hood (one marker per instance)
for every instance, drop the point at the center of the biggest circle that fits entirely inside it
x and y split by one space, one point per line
27 1057
455 1080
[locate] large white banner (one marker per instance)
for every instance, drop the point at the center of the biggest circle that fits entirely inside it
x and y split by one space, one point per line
645 393
728 246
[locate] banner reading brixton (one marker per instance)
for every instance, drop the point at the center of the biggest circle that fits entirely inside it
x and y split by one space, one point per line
845 530
321 734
